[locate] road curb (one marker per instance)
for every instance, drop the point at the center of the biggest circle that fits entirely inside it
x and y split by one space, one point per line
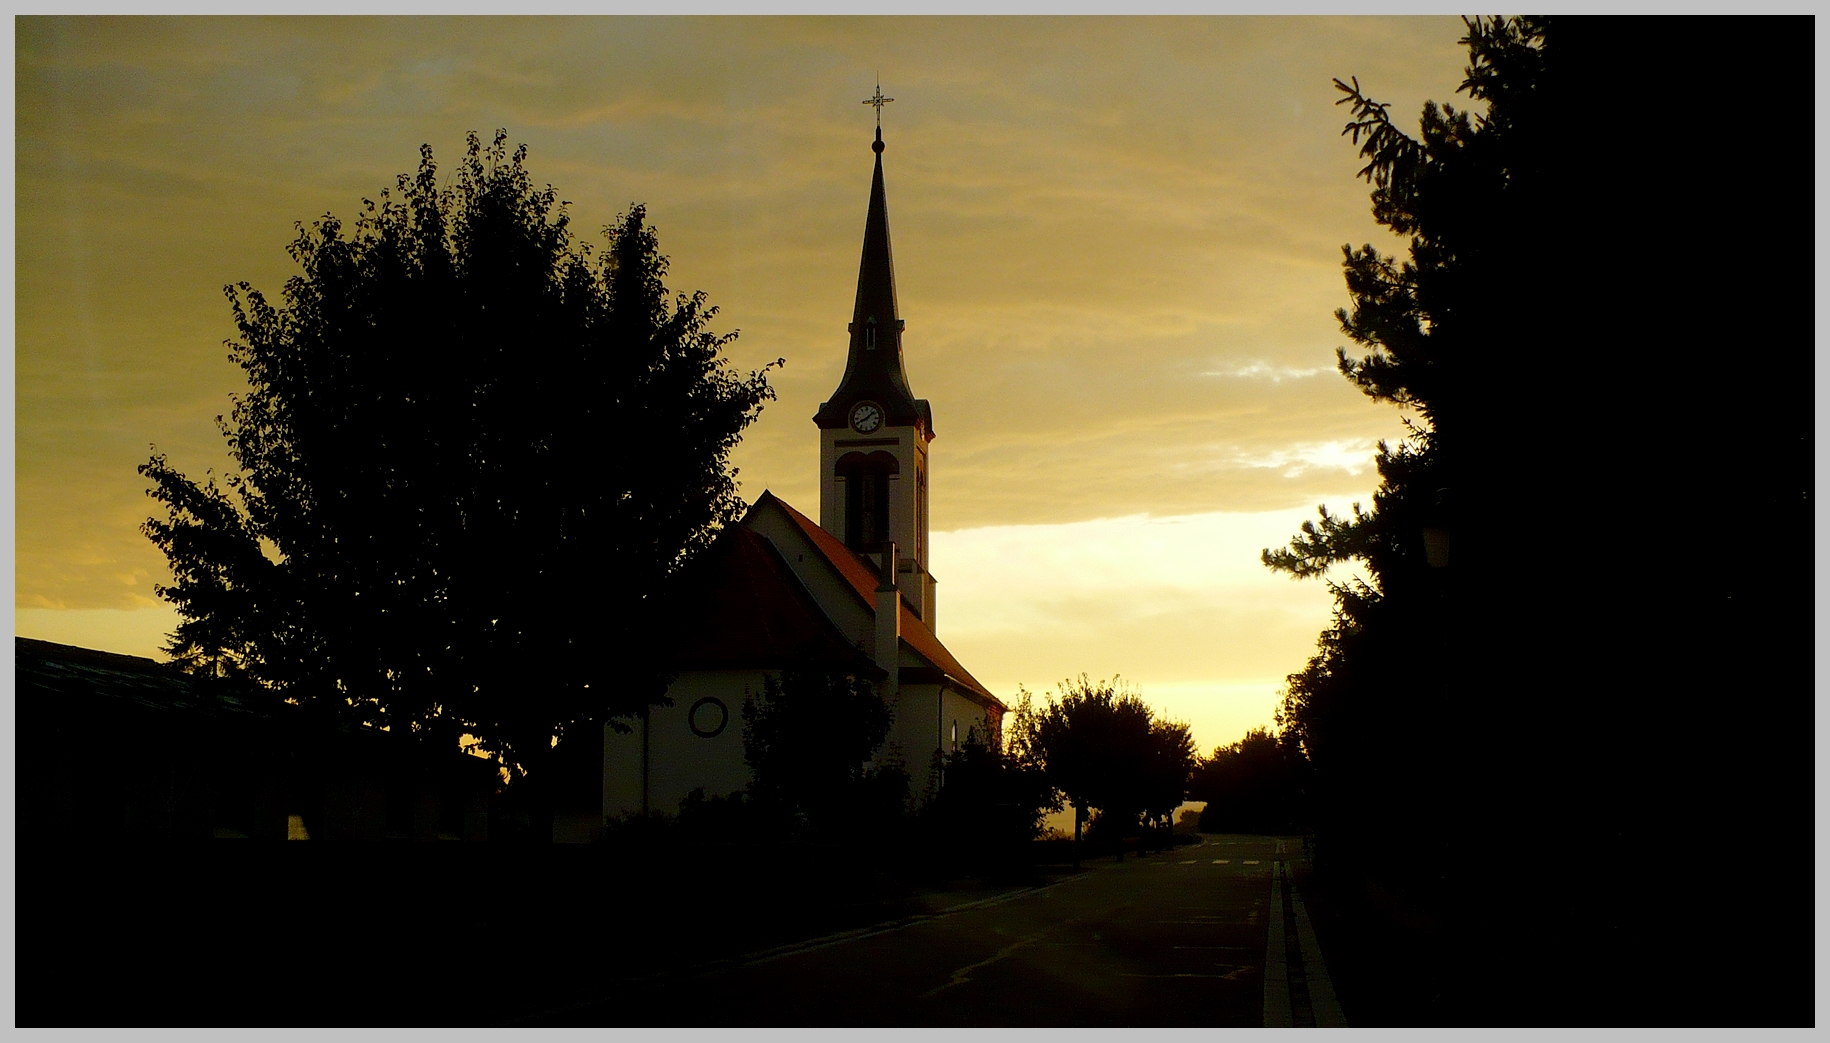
1324 1008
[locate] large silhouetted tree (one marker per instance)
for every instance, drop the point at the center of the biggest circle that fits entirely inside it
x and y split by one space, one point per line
1169 760
1081 740
469 452
1100 745
1378 683
1600 322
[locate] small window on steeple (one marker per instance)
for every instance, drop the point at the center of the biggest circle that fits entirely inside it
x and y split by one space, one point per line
870 333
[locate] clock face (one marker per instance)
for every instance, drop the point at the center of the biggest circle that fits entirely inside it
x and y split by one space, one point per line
866 417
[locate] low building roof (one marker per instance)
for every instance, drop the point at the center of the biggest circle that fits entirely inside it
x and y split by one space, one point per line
47 668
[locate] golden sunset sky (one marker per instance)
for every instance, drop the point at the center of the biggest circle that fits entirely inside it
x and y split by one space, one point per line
1117 251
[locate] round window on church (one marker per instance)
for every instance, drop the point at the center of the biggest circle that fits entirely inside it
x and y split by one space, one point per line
708 717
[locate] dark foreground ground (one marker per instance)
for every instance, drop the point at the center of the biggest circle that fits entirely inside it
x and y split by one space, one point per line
1175 939
408 934
244 933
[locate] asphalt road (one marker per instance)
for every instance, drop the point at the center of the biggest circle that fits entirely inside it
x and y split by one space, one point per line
1208 935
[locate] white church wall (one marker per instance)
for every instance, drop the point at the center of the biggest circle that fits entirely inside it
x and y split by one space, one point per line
622 770
912 730
959 716
680 758
829 589
928 717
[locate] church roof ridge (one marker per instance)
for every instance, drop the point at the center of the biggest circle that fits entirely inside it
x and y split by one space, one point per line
861 576
743 606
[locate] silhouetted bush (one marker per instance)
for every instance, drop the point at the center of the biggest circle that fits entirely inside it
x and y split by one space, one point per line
726 817
988 806
809 738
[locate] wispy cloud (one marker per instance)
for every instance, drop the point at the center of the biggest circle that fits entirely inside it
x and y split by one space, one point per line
1354 456
1266 371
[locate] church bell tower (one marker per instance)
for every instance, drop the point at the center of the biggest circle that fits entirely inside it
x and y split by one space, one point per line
874 432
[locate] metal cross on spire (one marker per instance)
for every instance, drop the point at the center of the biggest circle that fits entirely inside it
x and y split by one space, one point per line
878 101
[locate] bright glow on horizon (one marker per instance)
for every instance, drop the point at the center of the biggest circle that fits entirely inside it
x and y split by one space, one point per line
1180 605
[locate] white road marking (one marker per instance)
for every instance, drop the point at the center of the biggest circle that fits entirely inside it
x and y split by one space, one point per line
961 976
1250 862
1222 861
1190 862
1322 1001
1277 1012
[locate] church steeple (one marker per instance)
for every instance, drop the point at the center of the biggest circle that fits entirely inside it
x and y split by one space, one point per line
874 432
874 370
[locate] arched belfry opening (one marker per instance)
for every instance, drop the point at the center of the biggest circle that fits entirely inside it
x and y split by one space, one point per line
867 497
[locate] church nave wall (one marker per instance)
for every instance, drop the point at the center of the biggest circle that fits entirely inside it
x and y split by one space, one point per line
698 741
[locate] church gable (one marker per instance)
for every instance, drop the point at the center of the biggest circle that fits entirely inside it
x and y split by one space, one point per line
743 606
845 605
922 650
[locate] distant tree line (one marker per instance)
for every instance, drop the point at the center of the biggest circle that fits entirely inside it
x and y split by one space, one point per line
1256 785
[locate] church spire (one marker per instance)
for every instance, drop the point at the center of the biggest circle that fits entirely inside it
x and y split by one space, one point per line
874 369
876 301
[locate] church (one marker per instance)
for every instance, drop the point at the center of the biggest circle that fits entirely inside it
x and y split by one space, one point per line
851 593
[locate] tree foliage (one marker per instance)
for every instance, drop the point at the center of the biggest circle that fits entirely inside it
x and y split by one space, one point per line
1594 319
990 802
437 522
809 738
1254 785
1103 748
1169 759
1418 323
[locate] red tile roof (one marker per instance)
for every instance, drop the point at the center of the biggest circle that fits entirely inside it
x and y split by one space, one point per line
863 578
741 606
